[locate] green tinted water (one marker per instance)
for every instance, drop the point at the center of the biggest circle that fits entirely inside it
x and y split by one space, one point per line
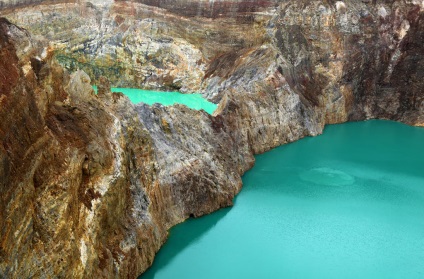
194 101
347 204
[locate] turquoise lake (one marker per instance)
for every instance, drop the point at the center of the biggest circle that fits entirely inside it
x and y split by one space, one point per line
346 204
194 101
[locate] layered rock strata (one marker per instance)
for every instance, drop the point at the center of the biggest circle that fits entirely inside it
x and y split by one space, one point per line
137 45
90 184
333 54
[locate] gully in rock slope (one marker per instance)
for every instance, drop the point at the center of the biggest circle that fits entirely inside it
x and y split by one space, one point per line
86 188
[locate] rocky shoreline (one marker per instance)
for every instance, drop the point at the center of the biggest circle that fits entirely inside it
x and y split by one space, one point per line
90 184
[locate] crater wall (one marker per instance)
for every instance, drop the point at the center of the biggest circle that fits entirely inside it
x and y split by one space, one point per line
90 184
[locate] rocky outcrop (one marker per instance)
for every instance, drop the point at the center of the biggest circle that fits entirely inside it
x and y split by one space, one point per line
333 54
240 9
90 184
62 161
326 63
138 45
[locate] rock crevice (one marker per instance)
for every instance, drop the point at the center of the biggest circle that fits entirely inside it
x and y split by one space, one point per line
90 183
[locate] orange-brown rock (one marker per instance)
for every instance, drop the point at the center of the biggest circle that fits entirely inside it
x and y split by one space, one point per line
90 184
87 186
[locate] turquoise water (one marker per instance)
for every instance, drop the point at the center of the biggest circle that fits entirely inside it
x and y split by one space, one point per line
346 204
194 101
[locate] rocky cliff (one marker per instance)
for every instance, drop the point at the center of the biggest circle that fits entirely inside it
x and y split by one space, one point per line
138 45
91 183
333 54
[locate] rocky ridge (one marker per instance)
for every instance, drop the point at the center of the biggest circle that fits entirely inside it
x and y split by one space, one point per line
137 45
105 179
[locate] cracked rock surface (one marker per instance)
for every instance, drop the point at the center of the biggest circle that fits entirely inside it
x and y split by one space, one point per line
90 184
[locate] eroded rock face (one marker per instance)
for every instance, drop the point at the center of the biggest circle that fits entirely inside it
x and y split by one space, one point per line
63 164
344 60
90 184
139 45
212 9
351 60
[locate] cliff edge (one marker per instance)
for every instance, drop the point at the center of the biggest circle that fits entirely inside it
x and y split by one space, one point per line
90 183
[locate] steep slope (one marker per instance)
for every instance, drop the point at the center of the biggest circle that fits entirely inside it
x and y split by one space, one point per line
138 45
90 184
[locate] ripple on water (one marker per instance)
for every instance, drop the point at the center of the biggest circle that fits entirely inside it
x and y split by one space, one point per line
327 176
348 204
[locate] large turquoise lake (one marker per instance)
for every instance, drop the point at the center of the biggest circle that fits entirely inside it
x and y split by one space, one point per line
346 204
194 101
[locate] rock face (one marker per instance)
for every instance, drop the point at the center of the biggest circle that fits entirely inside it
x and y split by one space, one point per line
90 184
87 186
62 165
212 9
138 45
353 60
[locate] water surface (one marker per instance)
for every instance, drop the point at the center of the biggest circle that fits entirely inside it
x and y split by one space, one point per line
346 204
194 101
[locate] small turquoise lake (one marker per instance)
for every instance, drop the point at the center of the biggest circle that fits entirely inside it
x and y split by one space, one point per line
345 204
194 101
